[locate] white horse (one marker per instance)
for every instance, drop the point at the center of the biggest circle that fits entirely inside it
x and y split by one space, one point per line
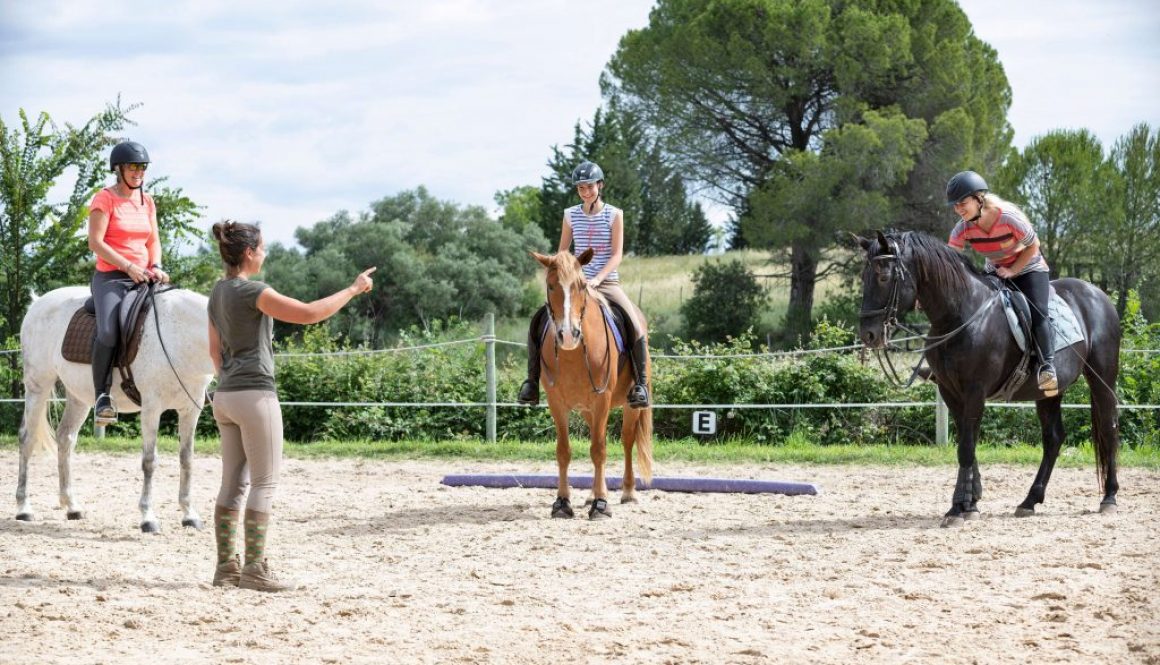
183 320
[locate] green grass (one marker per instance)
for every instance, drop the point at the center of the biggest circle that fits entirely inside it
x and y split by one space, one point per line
796 451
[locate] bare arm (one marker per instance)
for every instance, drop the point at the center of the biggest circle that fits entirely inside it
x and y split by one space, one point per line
290 310
617 250
215 349
154 246
565 235
98 226
1025 257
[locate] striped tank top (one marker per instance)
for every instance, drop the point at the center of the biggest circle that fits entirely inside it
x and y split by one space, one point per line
593 231
1001 245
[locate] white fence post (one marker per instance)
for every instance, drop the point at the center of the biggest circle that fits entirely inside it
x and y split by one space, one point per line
489 352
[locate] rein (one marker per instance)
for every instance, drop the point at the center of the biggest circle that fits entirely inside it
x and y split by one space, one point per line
898 274
151 293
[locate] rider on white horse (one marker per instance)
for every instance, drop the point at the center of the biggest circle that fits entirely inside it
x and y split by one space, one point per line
123 234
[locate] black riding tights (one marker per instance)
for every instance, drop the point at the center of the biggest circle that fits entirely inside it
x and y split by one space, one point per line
1036 286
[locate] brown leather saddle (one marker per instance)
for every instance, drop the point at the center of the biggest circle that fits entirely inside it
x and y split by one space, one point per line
77 346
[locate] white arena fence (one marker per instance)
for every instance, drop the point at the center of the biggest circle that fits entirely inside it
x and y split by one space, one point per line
492 404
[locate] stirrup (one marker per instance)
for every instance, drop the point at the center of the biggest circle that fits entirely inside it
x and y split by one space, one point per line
104 412
529 394
1048 380
638 396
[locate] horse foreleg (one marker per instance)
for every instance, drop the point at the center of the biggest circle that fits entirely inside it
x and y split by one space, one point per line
150 420
598 426
1101 373
562 507
628 439
968 413
186 428
75 413
1051 427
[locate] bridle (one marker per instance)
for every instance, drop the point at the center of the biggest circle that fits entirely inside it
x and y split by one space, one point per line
583 344
898 273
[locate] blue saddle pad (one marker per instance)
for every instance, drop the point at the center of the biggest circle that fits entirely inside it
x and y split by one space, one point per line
1063 323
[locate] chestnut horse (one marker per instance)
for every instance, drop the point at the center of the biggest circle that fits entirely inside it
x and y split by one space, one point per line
583 370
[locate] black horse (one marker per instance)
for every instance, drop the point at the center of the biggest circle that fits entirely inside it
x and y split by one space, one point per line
972 353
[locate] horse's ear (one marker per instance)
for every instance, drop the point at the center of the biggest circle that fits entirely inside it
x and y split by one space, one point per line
864 242
883 243
586 256
545 260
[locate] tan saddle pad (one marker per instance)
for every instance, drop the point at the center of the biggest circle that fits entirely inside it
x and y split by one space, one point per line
82 328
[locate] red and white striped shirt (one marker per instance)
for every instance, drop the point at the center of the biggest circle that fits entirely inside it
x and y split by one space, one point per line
1001 245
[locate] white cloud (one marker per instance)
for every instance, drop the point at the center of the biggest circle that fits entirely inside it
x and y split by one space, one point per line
290 111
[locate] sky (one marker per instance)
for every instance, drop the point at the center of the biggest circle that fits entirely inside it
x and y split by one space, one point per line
285 112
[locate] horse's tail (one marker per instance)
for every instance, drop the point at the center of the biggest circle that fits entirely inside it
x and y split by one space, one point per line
35 430
644 451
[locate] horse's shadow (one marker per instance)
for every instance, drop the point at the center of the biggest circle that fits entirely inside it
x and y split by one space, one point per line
29 581
55 529
896 522
411 518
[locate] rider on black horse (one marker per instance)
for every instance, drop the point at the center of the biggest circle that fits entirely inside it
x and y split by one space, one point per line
999 231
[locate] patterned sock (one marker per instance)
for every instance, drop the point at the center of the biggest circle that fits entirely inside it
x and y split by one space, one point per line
225 530
256 524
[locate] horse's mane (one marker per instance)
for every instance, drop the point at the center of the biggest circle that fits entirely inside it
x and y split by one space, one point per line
569 270
938 263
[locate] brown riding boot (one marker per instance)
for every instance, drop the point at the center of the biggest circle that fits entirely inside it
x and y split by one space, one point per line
228 572
257 576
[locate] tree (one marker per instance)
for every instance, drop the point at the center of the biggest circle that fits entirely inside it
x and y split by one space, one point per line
41 243
739 92
726 301
1063 184
436 261
659 218
1132 239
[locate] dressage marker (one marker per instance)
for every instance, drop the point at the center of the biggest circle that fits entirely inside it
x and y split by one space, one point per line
666 484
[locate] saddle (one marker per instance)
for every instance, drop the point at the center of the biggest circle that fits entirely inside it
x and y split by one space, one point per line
77 346
1061 318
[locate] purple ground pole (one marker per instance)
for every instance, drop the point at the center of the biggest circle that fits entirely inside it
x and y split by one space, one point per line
668 484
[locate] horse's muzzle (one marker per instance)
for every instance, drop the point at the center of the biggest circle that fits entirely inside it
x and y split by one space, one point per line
568 337
873 338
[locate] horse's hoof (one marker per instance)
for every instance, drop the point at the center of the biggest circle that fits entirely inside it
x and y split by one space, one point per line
1105 509
150 527
599 510
971 515
562 508
1024 512
23 517
951 521
191 522
629 499
75 515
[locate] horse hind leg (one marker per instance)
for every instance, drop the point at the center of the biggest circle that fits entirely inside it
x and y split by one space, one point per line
187 426
628 438
75 413
34 438
1051 424
1105 430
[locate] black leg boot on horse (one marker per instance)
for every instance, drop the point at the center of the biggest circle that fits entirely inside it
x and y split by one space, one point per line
638 397
102 380
530 389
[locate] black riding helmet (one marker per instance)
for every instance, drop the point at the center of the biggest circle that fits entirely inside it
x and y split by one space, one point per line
963 184
587 172
129 152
